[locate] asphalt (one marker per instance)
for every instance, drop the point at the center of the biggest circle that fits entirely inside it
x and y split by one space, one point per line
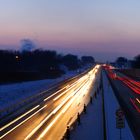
123 94
52 113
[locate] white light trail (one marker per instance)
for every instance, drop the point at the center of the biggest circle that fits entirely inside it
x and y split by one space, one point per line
22 122
18 118
63 111
54 93
52 113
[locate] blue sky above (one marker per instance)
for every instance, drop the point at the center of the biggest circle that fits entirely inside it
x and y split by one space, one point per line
95 27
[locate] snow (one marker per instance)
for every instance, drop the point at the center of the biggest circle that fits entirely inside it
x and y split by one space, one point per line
11 93
111 105
92 122
91 126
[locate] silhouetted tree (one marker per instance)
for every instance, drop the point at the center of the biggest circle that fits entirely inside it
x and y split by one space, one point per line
136 62
71 62
88 59
121 61
34 63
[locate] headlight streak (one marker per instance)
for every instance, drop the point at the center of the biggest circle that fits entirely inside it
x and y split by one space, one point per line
22 122
4 127
52 113
56 118
138 100
71 101
85 79
54 93
84 88
70 87
19 118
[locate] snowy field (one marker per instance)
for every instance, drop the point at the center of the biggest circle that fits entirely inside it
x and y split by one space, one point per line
12 93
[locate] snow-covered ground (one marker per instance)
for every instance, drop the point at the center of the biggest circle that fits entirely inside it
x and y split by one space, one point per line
12 93
92 122
91 127
111 105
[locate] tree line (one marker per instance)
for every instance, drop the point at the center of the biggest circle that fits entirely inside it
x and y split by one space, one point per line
39 61
135 63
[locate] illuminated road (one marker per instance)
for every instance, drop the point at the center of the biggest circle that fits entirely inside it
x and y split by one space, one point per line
128 93
49 119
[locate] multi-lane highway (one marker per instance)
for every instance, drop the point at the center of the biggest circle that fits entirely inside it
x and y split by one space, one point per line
127 91
49 119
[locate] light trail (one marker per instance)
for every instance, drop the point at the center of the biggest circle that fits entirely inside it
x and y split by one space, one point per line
133 85
22 122
54 93
138 100
4 127
70 87
73 94
76 95
84 88
135 105
60 91
50 115
49 126
56 118
19 118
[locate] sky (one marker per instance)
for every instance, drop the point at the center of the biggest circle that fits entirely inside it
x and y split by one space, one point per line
104 29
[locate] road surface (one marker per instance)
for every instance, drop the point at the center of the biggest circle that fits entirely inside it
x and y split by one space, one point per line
49 119
127 92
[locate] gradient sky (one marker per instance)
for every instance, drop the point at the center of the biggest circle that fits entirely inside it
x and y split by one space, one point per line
102 28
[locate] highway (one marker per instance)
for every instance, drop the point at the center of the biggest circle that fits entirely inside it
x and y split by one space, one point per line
49 119
127 91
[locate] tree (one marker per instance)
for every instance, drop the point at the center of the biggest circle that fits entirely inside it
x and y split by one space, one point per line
136 62
71 61
121 61
88 59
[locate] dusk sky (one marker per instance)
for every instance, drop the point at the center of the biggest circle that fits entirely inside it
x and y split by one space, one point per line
102 28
